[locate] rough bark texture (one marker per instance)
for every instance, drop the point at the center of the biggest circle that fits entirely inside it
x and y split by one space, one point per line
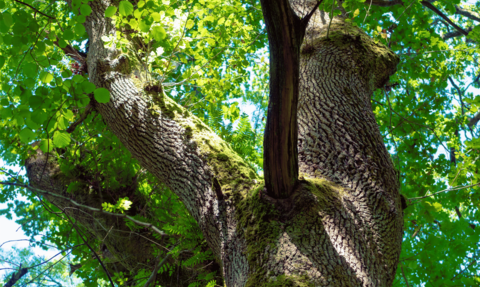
341 226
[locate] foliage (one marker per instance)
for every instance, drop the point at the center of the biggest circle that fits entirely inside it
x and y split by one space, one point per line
41 271
211 57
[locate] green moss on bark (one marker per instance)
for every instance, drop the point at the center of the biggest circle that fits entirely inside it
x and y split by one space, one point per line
232 173
257 222
289 281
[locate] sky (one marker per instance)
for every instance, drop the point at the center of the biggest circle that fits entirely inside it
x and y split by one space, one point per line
10 230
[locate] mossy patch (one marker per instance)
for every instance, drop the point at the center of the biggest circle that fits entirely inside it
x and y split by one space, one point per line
321 187
289 281
222 157
232 173
257 222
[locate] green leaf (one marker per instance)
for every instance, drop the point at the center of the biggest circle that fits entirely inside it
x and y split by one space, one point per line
158 33
424 34
191 23
437 206
102 95
46 77
31 124
125 8
78 78
46 145
110 11
74 186
2 61
30 70
62 123
69 115
61 139
87 87
85 9
79 30
35 101
68 35
7 19
144 26
81 19
133 23
26 135
356 13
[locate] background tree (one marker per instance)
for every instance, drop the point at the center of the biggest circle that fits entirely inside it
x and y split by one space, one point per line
104 147
27 269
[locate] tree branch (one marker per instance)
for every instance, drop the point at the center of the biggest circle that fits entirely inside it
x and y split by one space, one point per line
147 225
454 34
384 3
467 13
439 13
403 275
88 110
309 15
16 276
445 190
285 34
157 267
460 93
36 10
473 121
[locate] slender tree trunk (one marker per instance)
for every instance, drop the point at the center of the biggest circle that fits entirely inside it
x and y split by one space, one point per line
341 224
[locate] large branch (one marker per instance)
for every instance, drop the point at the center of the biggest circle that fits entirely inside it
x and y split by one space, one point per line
285 34
454 34
473 121
467 13
16 276
439 13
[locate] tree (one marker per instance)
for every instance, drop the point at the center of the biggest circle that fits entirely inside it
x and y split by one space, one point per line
135 124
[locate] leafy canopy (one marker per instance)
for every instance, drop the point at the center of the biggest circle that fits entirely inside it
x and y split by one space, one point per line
212 58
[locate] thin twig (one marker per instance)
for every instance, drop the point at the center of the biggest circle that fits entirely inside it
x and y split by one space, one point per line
158 265
445 190
368 10
331 18
147 225
35 9
403 275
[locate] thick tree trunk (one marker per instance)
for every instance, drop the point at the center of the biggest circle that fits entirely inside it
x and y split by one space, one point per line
342 225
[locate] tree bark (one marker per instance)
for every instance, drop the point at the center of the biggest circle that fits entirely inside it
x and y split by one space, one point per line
285 35
342 223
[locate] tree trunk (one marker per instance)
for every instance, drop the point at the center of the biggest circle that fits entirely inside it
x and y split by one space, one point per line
342 224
